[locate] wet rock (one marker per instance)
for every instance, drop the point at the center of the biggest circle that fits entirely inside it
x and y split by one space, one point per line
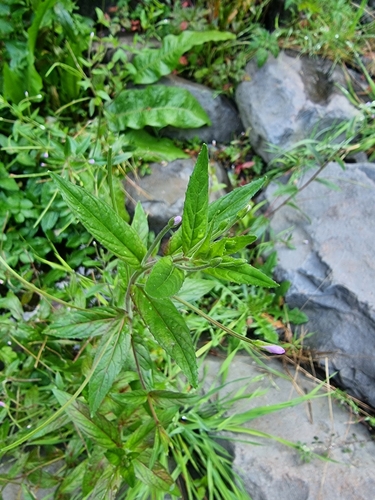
225 120
287 99
162 192
332 270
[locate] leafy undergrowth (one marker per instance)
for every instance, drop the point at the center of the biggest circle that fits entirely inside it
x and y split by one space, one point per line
99 334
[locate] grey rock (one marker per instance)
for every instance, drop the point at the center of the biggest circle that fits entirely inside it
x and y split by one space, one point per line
287 99
332 270
162 193
273 471
225 120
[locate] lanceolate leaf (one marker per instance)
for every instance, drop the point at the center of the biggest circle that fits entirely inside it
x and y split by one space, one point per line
165 279
103 222
170 331
84 324
226 209
156 106
110 364
140 223
222 213
154 63
195 217
156 478
238 272
98 428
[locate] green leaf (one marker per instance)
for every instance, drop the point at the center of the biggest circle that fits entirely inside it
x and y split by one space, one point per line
165 279
13 304
151 148
140 223
233 245
238 272
328 183
95 322
156 478
169 329
168 398
222 213
195 215
134 398
38 18
17 82
154 63
156 106
225 210
109 366
97 428
103 223
194 288
6 182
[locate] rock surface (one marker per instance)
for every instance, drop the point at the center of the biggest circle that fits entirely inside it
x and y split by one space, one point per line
332 270
162 193
225 119
287 98
273 471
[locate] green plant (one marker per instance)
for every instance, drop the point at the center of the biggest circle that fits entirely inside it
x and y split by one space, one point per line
122 400
325 28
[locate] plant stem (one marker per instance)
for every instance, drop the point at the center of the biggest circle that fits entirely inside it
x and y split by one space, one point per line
110 180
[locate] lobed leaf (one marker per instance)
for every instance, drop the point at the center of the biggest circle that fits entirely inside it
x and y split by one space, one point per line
103 222
169 329
156 106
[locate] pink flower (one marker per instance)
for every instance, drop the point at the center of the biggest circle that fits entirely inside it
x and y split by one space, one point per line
177 220
273 349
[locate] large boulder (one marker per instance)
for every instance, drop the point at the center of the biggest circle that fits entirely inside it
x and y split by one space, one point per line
273 471
332 270
288 98
225 120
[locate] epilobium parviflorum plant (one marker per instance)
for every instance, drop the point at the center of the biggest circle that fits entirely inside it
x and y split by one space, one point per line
135 422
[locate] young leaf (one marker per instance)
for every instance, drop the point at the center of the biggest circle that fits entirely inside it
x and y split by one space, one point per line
226 209
239 272
233 245
103 222
154 63
222 213
109 366
140 223
84 324
165 279
156 106
98 428
195 216
169 329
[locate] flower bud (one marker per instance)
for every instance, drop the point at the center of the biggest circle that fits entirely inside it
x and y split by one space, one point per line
273 349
